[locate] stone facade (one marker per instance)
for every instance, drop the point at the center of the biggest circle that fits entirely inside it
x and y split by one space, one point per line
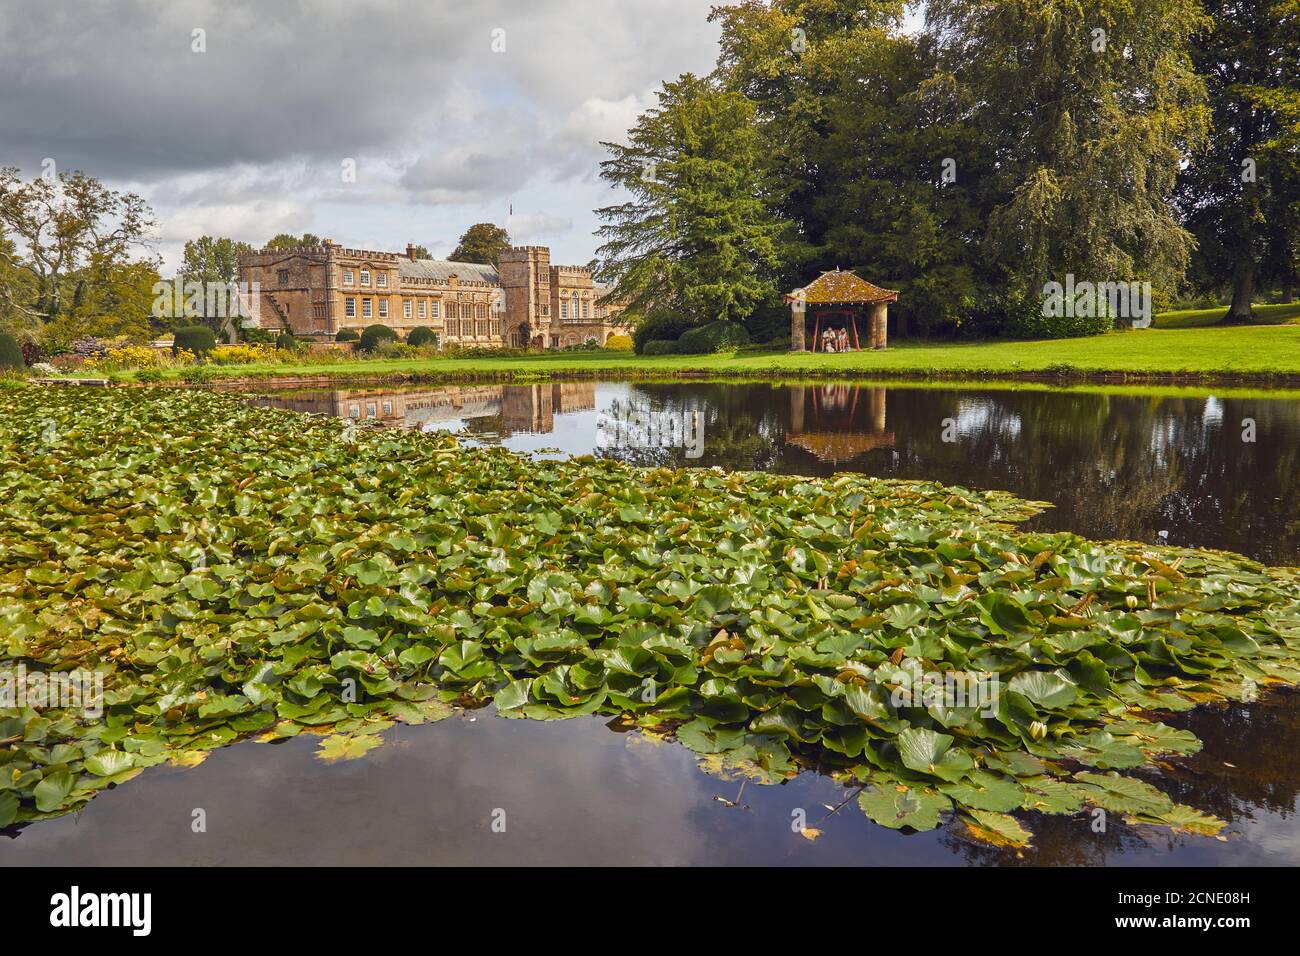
317 291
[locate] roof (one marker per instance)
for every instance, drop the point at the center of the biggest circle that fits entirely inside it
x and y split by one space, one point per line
441 270
839 446
841 288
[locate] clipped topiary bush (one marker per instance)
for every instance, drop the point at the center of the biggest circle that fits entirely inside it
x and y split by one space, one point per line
198 339
286 342
11 353
347 335
374 334
659 347
421 336
619 343
714 337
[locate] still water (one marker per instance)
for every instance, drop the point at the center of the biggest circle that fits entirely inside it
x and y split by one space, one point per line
1171 466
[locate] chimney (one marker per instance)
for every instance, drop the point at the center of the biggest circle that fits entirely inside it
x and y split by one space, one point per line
410 251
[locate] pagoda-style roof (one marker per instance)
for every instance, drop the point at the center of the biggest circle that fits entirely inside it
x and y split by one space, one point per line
842 288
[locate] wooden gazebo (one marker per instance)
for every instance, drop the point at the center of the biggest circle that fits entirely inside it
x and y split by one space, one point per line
839 293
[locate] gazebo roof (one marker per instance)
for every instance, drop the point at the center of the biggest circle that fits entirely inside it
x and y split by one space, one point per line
839 446
842 288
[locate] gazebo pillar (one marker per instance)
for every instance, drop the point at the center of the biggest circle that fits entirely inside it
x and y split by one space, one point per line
879 325
797 325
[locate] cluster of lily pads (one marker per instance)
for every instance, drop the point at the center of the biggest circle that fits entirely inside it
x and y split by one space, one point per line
232 571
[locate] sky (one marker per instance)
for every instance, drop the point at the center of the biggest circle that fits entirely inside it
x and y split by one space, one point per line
252 135
244 118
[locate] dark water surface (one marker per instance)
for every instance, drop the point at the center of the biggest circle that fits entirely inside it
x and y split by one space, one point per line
1148 467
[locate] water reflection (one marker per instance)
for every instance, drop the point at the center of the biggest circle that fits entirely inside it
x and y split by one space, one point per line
1146 467
498 411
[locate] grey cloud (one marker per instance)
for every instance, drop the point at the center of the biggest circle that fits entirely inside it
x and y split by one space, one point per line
114 87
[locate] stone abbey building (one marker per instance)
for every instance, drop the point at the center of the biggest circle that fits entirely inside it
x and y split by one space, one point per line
317 291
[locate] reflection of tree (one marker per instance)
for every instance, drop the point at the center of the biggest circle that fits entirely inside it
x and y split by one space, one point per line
1258 740
1249 764
1114 466
739 429
1059 841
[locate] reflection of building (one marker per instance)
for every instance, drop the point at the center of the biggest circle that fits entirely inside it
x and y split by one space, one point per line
532 408
517 408
316 291
838 422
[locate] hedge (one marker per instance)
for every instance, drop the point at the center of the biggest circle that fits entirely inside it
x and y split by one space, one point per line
714 337
198 339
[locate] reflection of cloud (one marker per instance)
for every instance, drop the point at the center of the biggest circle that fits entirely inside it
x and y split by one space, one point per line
1213 414
985 416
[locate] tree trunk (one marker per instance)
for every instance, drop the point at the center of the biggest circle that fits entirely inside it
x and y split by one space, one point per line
1288 291
1243 290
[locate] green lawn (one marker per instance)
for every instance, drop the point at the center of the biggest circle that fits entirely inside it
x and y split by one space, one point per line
1196 318
1221 354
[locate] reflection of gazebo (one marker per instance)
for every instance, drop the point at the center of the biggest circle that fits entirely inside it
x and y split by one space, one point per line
839 293
832 429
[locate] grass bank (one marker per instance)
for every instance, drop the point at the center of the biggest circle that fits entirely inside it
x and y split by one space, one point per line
1242 356
1198 318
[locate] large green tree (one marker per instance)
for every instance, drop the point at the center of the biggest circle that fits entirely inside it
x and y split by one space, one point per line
286 242
1086 109
482 242
696 236
865 137
213 261
1241 194
69 264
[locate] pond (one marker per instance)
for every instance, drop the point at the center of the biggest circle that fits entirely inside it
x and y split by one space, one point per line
1172 467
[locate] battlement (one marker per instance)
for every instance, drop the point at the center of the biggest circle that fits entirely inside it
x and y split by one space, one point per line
315 252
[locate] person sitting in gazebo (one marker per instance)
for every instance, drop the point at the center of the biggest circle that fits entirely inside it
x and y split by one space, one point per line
828 340
841 340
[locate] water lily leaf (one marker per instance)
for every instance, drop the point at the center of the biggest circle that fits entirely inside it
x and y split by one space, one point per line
347 746
897 806
704 737
1002 614
928 752
1102 749
53 790
1052 689
1120 794
8 809
985 791
514 694
1188 820
996 829
106 763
